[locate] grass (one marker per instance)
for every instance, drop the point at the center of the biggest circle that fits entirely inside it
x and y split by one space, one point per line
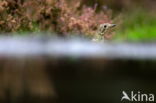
139 25
24 30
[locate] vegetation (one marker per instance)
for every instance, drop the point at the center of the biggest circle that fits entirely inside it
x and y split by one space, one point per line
83 17
50 15
137 25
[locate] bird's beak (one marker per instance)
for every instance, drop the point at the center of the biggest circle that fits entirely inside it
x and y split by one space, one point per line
112 25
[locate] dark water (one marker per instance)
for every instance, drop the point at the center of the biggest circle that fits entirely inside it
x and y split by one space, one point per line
46 70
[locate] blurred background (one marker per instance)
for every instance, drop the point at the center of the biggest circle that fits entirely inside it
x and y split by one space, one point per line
42 61
135 19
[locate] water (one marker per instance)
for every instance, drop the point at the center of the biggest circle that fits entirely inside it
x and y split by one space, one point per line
73 70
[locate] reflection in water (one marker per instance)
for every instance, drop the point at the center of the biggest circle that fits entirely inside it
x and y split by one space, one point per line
75 47
47 70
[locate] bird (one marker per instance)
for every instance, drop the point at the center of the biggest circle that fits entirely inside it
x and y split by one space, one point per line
102 29
125 96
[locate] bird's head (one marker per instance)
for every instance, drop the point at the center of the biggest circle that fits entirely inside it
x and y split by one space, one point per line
105 27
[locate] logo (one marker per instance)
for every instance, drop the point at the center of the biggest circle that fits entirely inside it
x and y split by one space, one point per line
137 96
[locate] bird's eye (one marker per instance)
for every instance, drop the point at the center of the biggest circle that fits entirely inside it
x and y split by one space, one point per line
105 26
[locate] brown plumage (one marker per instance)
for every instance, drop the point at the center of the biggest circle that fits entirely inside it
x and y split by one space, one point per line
103 28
